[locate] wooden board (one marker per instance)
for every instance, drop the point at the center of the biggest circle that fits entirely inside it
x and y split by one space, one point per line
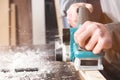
12 25
23 21
59 18
38 17
91 75
4 23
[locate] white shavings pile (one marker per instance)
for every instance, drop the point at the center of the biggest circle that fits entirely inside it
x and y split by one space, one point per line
23 59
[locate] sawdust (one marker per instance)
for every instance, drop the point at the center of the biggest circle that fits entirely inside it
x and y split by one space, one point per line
26 60
23 58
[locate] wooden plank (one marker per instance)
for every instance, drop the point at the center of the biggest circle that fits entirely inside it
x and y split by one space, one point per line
24 22
94 75
13 25
59 18
91 75
38 17
4 22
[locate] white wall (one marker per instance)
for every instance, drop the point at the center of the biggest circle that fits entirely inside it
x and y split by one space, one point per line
38 17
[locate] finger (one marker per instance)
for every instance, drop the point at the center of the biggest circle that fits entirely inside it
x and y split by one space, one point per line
68 20
92 42
99 47
72 23
105 42
86 24
72 20
68 17
78 32
72 17
83 38
89 7
82 29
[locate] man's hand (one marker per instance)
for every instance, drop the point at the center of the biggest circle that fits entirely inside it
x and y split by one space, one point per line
93 36
72 15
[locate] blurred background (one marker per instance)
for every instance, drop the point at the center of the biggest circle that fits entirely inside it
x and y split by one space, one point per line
27 22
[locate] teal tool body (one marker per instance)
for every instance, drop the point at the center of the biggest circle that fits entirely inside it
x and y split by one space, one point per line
84 59
68 50
74 49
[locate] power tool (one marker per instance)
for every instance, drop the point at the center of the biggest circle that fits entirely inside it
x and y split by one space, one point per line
67 50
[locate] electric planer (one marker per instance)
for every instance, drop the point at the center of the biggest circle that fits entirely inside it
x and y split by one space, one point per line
67 50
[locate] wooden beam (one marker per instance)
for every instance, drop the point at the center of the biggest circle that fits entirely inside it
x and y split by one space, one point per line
59 18
24 22
91 75
4 23
38 17
13 25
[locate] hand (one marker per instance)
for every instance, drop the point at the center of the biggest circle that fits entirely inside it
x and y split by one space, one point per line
72 15
93 36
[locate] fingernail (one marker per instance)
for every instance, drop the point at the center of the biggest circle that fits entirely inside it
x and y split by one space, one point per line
87 47
95 52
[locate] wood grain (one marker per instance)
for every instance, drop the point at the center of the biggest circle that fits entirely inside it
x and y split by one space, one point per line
13 25
38 17
91 75
24 22
4 23
59 18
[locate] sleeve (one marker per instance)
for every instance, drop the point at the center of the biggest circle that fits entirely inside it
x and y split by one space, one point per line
113 55
114 29
111 60
65 4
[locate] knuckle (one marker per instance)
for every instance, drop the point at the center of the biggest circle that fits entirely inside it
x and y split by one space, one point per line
86 22
100 33
94 25
90 7
108 43
104 41
74 5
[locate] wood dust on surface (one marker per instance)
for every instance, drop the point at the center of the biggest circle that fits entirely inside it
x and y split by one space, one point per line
34 63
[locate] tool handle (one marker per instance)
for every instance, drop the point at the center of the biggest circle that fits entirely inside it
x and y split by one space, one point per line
83 15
